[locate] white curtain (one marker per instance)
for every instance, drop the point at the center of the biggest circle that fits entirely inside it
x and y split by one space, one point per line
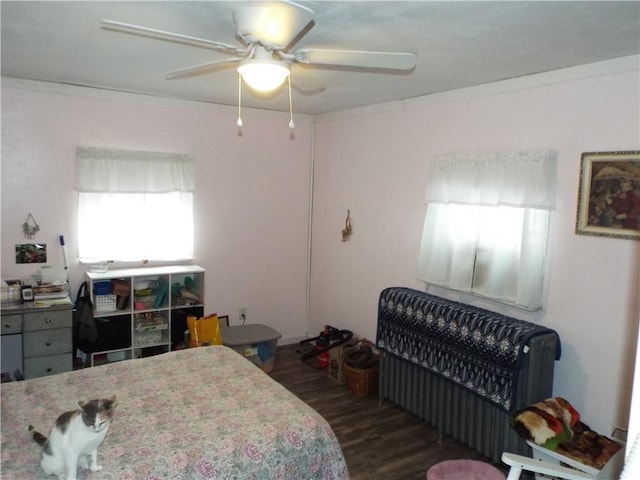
134 205
113 170
631 469
486 224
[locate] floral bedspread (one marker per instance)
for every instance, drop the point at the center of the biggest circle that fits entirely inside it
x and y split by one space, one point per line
202 413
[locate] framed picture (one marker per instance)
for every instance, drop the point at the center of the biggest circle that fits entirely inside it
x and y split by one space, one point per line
223 320
31 253
609 195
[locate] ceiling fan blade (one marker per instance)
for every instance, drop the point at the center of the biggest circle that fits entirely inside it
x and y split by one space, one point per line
170 37
200 69
304 81
272 23
357 59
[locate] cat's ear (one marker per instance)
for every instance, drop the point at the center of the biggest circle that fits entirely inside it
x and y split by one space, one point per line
111 401
82 403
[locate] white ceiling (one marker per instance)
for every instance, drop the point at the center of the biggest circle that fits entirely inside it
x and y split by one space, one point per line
457 43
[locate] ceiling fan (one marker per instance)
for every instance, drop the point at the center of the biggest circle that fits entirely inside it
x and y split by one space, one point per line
267 32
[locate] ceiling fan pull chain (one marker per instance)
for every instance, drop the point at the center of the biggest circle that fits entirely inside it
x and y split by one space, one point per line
291 124
239 100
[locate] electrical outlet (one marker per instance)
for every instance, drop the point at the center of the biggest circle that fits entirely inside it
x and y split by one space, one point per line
242 314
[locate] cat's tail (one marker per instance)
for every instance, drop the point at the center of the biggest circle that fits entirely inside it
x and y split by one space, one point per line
37 436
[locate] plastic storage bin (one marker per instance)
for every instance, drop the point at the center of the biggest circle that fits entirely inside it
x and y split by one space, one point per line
150 329
256 342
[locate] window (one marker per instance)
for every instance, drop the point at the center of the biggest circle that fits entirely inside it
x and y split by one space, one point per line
134 206
486 225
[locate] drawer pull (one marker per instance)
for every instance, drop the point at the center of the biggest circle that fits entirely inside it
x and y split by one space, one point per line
48 320
48 370
7 325
48 344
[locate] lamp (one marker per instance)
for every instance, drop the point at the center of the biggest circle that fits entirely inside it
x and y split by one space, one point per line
262 72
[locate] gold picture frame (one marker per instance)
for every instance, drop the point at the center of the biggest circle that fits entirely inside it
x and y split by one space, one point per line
609 195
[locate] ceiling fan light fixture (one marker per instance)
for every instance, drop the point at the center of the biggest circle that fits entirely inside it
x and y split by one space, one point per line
263 76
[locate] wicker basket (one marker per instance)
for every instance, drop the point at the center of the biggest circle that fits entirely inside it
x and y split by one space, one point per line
362 381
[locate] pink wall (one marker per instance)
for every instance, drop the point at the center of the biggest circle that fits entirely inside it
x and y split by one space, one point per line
251 202
376 165
252 205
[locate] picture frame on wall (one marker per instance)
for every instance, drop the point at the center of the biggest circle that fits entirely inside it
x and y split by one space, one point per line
609 195
223 320
31 253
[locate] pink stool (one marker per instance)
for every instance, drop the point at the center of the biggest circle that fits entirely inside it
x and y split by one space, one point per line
464 470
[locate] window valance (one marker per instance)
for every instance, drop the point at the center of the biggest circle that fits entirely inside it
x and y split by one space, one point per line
519 179
131 171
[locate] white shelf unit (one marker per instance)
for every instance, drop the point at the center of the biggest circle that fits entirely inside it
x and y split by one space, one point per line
135 309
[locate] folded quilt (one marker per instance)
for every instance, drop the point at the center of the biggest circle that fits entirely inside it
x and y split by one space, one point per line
555 425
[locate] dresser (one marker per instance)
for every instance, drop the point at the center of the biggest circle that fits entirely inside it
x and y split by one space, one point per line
39 340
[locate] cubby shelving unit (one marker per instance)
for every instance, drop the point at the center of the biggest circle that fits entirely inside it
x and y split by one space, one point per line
142 311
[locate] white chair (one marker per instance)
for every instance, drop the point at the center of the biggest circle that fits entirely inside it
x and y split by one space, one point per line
547 462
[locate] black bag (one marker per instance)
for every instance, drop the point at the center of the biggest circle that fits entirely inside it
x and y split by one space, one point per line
85 332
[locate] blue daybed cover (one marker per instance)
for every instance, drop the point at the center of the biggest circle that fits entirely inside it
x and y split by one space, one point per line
478 349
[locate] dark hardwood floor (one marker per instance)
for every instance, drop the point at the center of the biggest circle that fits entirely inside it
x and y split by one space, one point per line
382 442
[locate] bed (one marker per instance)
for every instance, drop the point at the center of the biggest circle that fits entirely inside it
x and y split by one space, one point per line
201 413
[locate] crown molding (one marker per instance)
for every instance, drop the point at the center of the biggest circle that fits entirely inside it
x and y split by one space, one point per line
608 67
139 98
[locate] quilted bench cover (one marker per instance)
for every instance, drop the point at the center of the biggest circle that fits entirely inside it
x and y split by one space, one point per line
480 350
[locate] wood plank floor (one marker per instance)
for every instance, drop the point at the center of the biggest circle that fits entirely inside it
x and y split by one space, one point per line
381 442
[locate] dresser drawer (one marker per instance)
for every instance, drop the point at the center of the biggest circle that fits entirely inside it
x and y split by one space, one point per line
42 366
11 324
47 320
46 342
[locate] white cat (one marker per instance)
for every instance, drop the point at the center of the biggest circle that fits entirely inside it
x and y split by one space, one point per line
74 439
